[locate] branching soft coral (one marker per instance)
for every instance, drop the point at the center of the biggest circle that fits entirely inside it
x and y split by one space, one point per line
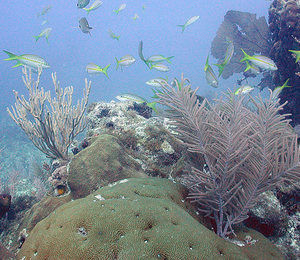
248 148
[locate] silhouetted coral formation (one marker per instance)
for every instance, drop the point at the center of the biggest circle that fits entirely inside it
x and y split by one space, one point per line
285 28
247 32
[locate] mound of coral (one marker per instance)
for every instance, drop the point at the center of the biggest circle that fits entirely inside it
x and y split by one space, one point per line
135 219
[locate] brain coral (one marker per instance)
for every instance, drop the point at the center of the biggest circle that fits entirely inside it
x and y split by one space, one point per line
133 219
103 162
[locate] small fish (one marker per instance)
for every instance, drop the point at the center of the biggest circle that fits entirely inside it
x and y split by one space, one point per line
84 26
157 82
160 67
30 60
189 22
45 10
136 16
143 7
92 69
137 99
228 55
245 89
210 76
82 3
122 7
260 61
158 58
112 35
127 60
141 53
46 32
277 90
44 22
93 7
297 53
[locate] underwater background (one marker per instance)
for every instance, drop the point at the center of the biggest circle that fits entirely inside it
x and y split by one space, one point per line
69 51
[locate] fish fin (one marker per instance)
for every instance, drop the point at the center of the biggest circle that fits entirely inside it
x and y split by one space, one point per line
152 105
248 67
104 70
116 11
246 56
118 62
169 58
17 65
285 84
221 68
87 10
297 53
36 38
182 27
155 95
11 55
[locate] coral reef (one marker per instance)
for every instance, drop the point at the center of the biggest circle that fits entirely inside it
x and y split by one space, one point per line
247 32
149 139
285 28
135 219
37 212
104 161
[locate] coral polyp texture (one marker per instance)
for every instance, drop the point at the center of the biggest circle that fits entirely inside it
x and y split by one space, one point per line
284 25
135 219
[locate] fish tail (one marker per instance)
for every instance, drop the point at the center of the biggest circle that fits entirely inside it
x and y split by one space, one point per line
104 70
88 11
17 65
118 62
221 68
147 63
155 93
169 58
206 63
116 11
248 67
152 105
36 38
11 55
117 37
182 27
246 56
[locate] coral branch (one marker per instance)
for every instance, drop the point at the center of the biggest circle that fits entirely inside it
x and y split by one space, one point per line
53 123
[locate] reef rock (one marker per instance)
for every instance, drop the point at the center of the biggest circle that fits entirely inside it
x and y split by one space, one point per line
135 219
148 139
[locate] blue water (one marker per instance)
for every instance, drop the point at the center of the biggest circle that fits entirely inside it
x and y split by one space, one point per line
69 50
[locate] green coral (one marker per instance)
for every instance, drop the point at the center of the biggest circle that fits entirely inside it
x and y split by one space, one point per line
133 219
103 162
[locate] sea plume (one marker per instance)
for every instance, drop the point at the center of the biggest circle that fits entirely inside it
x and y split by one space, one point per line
247 146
